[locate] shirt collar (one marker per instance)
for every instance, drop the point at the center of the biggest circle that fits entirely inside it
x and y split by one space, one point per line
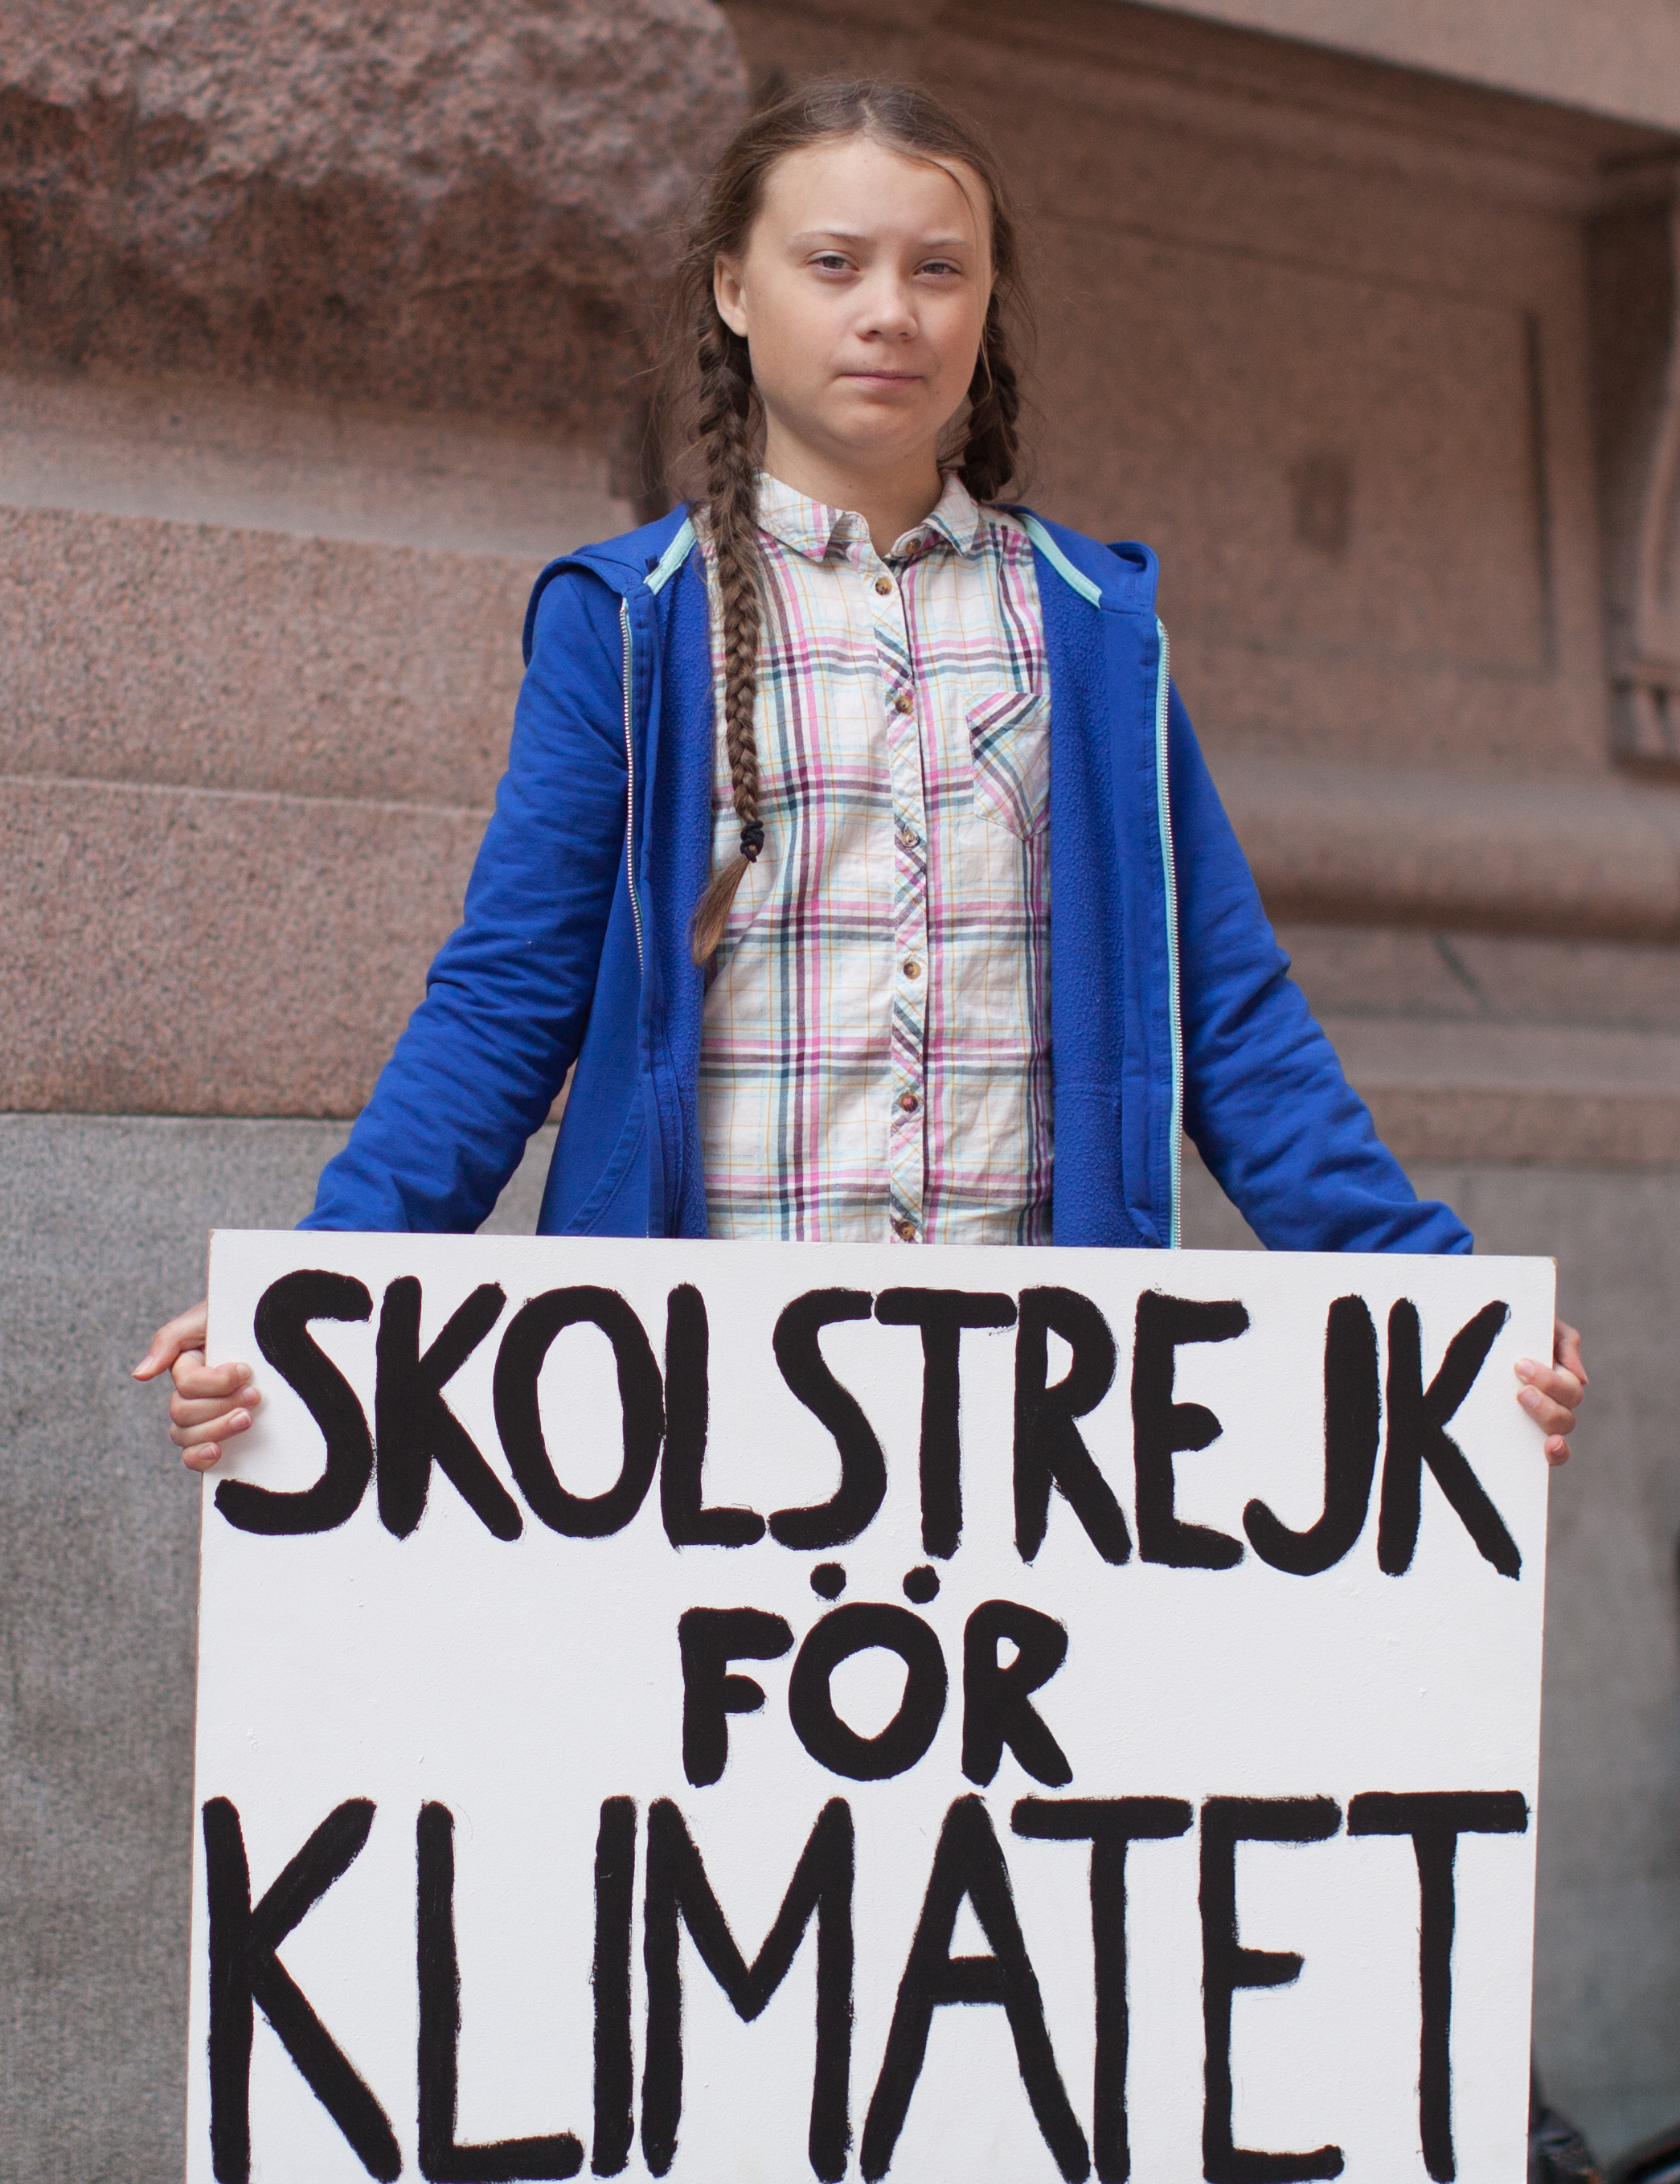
813 529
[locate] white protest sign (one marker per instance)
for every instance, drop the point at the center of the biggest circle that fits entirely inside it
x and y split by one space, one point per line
748 1712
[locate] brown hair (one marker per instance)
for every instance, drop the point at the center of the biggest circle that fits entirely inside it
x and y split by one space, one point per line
709 375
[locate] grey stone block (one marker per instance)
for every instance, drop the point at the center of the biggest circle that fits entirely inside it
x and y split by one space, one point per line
101 1236
103 1226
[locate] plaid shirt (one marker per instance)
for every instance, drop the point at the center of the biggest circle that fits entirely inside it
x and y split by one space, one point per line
876 1062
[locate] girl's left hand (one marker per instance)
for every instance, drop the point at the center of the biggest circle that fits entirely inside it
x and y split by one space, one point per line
1551 1394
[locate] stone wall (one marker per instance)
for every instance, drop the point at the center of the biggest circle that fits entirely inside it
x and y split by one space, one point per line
437 204
318 333
1619 56
1381 364
261 661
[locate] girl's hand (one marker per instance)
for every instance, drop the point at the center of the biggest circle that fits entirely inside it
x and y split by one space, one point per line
211 1403
1551 1394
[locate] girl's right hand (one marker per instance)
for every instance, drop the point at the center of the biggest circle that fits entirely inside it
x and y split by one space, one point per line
211 1403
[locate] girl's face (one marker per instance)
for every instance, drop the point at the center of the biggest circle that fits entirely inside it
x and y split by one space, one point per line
862 293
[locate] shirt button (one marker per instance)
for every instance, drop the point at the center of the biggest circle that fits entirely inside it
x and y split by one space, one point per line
904 703
905 1231
909 838
883 585
909 1102
912 970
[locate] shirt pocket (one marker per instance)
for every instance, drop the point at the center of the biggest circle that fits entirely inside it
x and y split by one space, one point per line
1008 735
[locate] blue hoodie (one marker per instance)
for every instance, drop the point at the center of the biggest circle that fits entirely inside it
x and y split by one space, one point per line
1170 1003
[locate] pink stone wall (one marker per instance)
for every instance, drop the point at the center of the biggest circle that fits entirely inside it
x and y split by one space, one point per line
1320 339
436 203
319 332
321 329
1615 56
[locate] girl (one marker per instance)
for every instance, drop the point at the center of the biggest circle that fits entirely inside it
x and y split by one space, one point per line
797 775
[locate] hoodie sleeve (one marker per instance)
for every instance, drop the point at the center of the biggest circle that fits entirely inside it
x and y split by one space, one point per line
1265 1101
508 997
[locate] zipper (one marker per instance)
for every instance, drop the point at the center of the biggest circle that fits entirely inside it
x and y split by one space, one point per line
1170 875
629 817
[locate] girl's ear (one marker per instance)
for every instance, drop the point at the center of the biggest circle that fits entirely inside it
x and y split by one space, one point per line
726 291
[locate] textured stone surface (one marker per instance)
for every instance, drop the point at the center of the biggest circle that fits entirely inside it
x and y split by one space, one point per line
198 657
1558 860
1619 56
443 203
192 452
1499 1049
1463 976
101 1235
1529 1093
192 951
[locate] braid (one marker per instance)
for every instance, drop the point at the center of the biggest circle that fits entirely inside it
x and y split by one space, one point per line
991 451
724 422
710 412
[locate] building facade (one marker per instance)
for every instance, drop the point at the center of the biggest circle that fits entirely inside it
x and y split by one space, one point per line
319 335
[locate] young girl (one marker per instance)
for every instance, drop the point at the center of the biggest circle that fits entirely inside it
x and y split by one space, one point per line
797 777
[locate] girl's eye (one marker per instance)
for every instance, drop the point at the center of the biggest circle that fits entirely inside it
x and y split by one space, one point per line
940 266
830 261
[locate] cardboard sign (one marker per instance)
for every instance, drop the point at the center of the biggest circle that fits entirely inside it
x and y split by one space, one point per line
740 1711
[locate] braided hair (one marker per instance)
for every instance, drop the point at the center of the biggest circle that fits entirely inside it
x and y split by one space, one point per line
710 407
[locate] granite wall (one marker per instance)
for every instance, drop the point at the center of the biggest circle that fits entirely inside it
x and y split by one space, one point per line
318 334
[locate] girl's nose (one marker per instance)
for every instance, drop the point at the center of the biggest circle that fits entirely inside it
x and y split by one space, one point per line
888 309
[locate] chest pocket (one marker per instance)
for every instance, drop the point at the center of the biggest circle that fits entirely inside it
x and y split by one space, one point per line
1008 734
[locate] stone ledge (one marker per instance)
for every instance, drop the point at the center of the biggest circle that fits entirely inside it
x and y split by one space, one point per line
189 452
195 952
1517 1095
1566 859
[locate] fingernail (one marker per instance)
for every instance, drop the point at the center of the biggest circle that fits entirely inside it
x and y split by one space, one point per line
1526 1368
1530 1399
